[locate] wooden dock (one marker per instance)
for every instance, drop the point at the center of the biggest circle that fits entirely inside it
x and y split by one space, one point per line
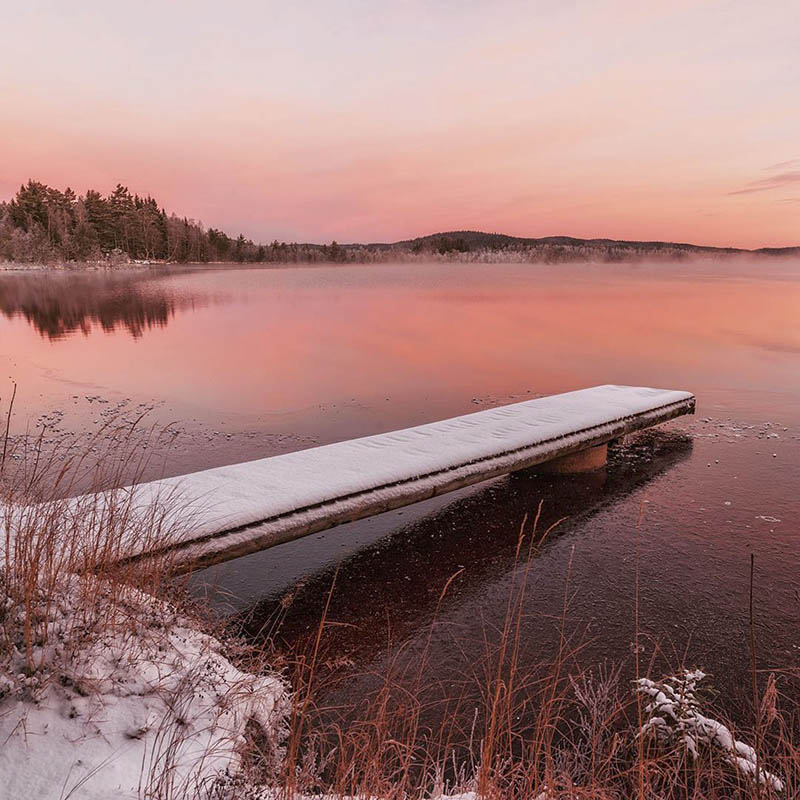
234 510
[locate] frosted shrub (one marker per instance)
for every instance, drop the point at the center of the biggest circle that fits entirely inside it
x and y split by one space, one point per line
674 716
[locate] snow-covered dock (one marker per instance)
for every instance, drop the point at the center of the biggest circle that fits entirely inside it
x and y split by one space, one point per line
243 508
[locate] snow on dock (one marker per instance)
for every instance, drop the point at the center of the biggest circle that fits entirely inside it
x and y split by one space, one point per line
243 508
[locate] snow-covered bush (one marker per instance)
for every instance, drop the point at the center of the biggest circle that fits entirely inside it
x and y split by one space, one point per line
674 716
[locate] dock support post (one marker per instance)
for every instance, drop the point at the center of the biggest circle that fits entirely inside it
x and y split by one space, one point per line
582 461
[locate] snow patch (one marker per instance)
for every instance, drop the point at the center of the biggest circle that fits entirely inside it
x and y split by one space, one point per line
145 704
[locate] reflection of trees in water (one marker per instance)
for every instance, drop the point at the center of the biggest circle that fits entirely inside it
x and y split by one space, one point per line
57 305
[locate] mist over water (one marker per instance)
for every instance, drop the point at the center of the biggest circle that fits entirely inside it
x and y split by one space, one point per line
249 363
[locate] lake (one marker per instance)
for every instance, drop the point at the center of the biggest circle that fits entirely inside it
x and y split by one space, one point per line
245 363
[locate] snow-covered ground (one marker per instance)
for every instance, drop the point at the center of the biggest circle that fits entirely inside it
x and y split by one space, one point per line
133 702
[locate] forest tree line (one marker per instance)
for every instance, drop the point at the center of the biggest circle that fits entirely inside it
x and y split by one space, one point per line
46 225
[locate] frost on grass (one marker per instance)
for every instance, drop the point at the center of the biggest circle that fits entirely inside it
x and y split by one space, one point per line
235 791
128 701
674 716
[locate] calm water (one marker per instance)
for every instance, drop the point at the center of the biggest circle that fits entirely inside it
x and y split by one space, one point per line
248 363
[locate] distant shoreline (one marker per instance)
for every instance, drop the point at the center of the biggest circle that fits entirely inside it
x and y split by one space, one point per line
488 257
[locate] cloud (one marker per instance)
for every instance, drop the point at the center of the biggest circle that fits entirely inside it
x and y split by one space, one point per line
773 182
794 162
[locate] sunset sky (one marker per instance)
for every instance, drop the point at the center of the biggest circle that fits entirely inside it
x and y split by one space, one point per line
379 120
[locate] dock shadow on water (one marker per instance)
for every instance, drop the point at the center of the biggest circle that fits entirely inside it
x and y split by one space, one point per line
426 603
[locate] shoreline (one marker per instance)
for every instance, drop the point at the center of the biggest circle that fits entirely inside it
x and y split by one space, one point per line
389 257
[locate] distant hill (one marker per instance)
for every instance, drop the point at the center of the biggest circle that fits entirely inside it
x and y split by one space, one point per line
500 247
778 251
473 240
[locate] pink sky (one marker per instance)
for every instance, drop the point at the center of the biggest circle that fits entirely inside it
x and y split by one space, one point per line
375 121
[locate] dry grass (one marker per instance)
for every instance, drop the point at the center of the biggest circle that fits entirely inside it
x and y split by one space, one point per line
83 630
50 531
556 731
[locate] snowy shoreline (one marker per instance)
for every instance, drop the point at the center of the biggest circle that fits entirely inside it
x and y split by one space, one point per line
136 701
132 700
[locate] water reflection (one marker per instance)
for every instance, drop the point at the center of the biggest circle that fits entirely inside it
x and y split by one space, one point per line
58 304
391 590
